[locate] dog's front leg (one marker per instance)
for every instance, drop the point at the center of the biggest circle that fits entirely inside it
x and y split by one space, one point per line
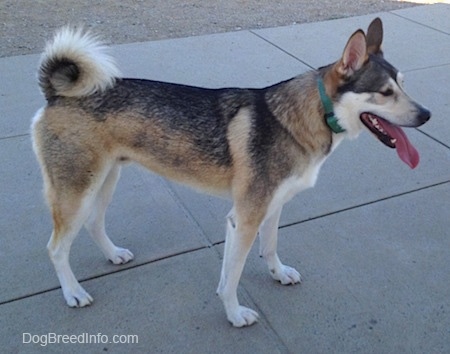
239 240
268 236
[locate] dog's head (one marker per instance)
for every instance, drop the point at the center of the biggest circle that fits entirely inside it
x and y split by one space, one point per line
367 91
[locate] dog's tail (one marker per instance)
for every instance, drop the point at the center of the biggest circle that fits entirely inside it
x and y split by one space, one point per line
75 64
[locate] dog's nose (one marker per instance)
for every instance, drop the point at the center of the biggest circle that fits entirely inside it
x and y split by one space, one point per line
424 115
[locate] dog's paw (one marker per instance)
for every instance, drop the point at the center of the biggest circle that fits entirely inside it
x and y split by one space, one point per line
286 275
121 256
78 297
243 316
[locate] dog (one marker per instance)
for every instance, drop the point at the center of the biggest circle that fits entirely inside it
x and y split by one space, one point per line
258 147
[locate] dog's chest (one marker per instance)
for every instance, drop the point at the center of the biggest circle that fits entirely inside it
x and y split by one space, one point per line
294 185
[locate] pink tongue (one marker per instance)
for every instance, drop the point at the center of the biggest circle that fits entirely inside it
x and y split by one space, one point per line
407 153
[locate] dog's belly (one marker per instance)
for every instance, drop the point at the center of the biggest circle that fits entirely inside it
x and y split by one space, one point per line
201 176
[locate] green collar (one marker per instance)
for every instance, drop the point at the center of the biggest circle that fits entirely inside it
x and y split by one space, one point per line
330 118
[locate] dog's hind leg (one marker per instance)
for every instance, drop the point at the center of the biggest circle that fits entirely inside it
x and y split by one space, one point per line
71 198
268 236
95 223
69 213
239 239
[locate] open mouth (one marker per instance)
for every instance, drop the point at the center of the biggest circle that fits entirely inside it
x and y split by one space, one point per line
392 136
375 125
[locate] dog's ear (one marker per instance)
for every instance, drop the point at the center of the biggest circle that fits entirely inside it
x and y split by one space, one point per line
375 37
354 56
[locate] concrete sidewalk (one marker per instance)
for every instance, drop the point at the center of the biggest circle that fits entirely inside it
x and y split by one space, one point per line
372 240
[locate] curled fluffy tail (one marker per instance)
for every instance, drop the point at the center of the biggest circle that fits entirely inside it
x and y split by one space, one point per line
75 64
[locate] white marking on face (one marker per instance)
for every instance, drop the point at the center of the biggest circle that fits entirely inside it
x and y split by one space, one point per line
390 103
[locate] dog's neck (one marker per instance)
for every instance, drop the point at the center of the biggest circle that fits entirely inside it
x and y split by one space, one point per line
330 117
301 111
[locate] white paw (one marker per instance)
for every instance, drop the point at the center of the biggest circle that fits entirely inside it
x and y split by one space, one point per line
286 275
78 297
121 256
243 316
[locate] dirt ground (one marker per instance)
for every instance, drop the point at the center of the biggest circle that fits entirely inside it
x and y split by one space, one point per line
25 25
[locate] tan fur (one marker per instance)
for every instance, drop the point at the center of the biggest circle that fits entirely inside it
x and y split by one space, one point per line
303 118
239 132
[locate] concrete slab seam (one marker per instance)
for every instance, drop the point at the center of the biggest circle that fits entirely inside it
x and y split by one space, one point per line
188 213
98 276
433 138
283 50
14 136
417 22
427 67
366 204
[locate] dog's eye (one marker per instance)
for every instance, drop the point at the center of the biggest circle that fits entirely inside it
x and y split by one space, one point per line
388 92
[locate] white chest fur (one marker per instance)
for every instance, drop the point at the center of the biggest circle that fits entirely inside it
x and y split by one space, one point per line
297 183
293 185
